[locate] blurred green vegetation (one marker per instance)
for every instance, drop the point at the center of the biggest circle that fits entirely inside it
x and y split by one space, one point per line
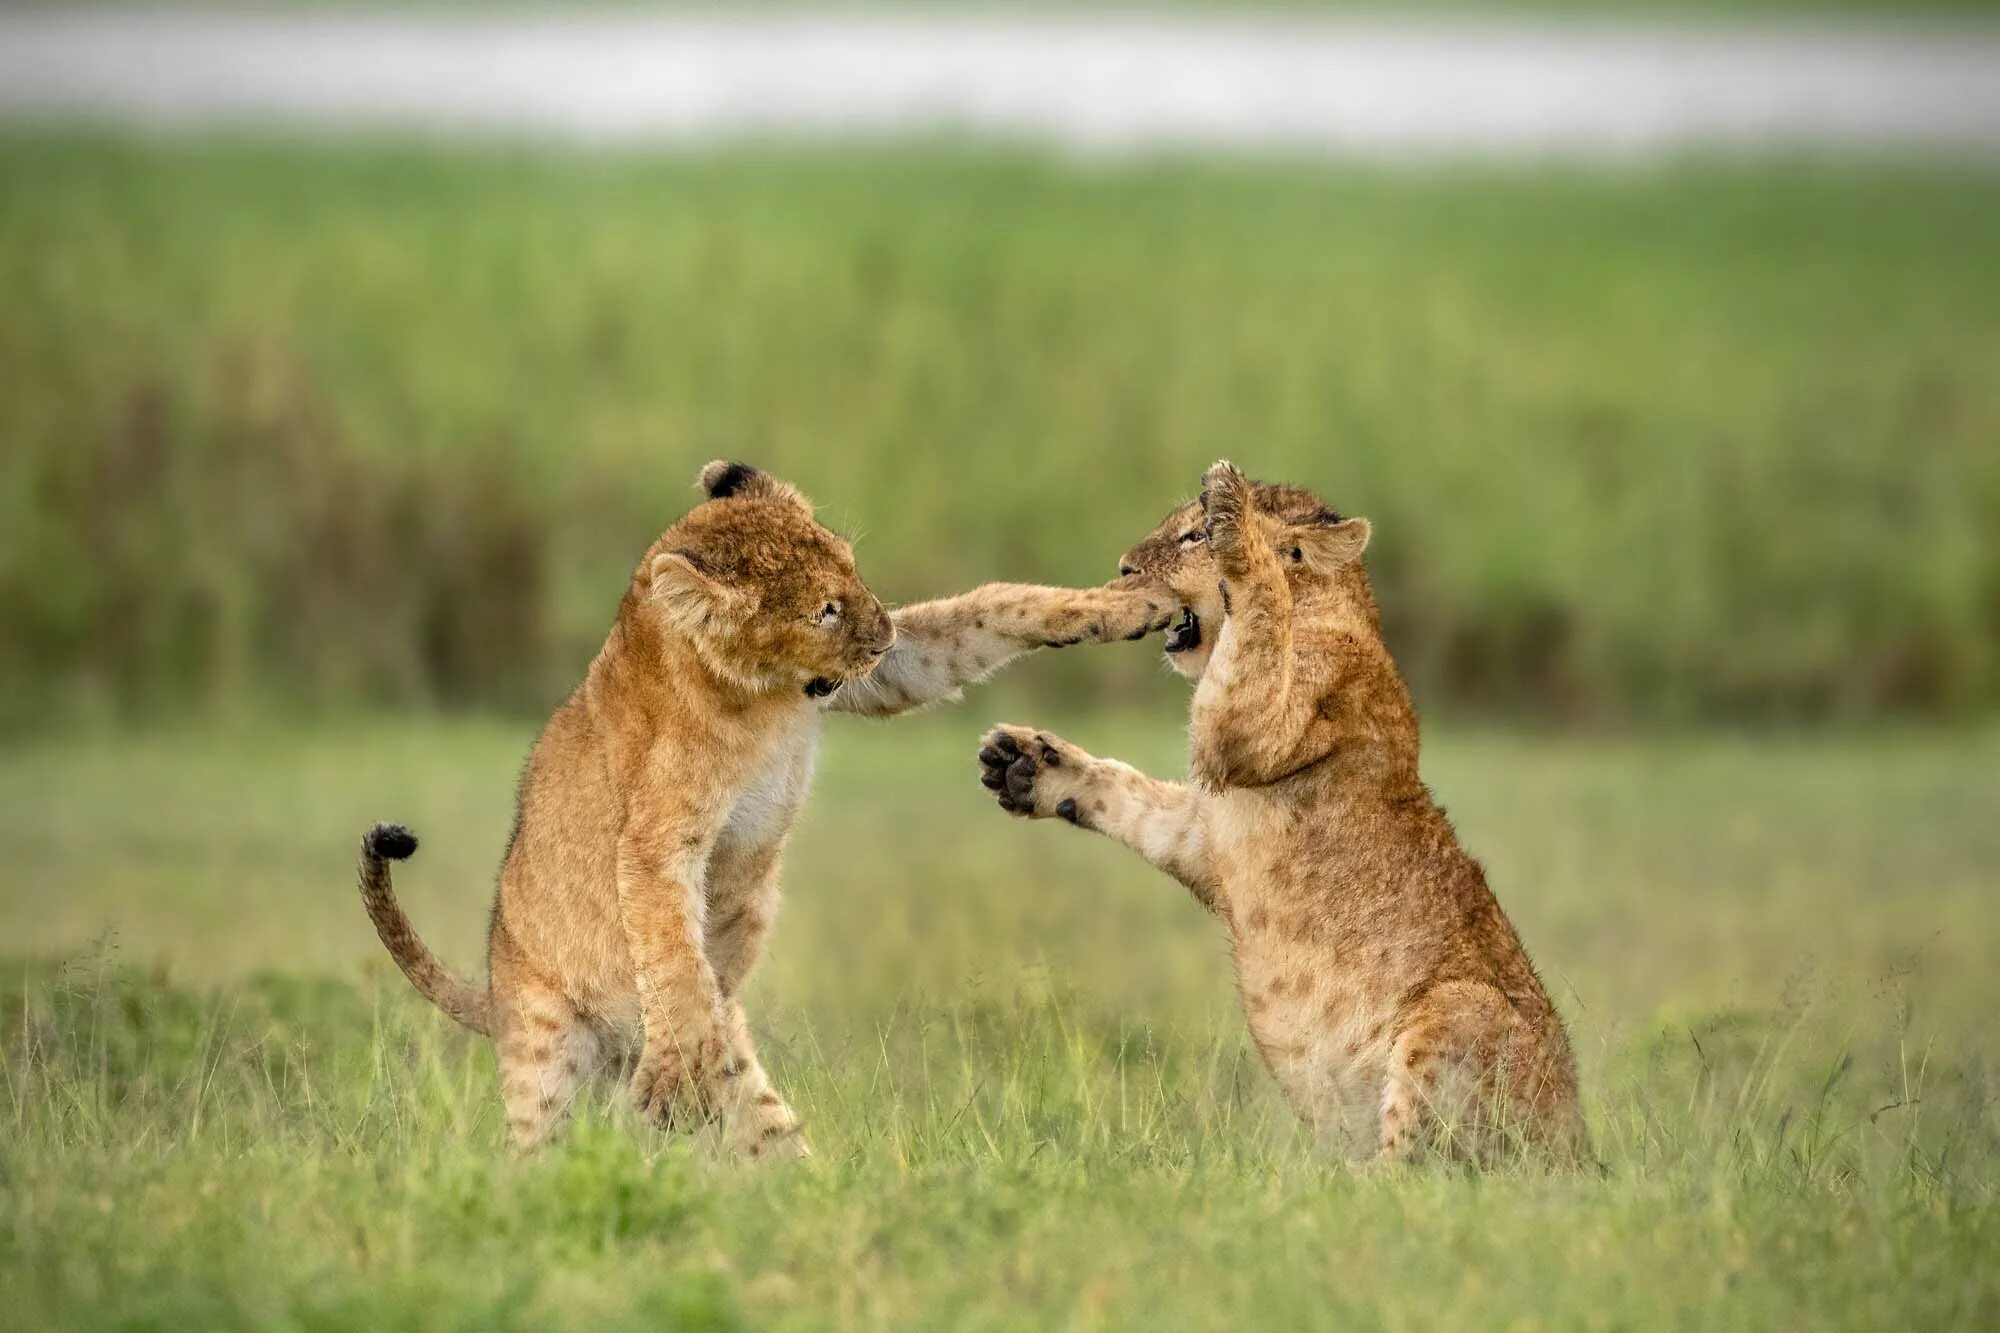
333 425
1017 1048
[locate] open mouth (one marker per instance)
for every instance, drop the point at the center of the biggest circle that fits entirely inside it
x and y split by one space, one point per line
819 687
1185 633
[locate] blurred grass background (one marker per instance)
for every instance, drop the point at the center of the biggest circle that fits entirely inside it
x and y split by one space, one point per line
382 427
1655 877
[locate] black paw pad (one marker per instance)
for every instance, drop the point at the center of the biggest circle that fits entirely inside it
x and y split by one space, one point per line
1021 782
994 757
1066 808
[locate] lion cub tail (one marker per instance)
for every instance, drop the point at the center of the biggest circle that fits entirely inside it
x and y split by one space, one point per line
437 983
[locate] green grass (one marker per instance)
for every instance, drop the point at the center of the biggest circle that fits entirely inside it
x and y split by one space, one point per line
1017 1049
347 425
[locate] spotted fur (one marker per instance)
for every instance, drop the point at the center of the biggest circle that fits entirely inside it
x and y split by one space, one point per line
643 874
1382 983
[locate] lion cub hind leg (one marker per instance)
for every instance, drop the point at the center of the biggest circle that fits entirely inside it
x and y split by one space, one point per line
547 1050
1468 1080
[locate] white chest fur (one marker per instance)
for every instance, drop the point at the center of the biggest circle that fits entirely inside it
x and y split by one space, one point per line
769 802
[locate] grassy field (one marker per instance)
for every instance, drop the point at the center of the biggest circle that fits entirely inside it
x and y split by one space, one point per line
1017 1050
335 426
342 427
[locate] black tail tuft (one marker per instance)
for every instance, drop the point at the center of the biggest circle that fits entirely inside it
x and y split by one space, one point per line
724 480
390 842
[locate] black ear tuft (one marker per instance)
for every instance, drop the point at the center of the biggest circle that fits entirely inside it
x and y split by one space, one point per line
390 842
722 480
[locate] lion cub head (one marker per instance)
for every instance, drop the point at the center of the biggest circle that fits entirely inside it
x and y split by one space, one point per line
768 597
1319 548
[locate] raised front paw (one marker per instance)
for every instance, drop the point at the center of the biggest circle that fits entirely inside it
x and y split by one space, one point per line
676 1092
1030 772
1134 608
1225 500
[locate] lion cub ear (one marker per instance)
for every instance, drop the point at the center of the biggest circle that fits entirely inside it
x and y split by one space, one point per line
687 597
721 479
1328 546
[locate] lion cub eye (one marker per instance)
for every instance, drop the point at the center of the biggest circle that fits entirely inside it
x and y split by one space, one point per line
828 615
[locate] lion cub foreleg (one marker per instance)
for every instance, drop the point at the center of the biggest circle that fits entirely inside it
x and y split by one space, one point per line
1254 719
683 1052
743 889
942 646
756 1121
1039 775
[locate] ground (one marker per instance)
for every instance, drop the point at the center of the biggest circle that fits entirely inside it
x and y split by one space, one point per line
1017 1050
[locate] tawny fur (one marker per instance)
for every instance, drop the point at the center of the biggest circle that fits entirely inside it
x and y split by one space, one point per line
642 875
1383 985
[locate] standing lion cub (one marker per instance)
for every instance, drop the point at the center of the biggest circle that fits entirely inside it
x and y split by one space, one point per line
1383 985
642 873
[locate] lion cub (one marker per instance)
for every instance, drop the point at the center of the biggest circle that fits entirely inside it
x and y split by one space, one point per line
642 873
1383 985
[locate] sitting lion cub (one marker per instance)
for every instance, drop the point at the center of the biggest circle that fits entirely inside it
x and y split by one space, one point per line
1382 983
643 869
